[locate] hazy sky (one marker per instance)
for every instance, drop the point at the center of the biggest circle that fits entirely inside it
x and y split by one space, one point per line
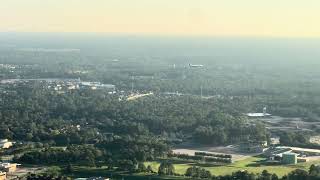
293 18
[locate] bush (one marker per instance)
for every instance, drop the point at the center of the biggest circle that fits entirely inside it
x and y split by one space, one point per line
197 172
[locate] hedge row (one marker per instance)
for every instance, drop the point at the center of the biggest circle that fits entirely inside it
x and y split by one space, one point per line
213 155
201 158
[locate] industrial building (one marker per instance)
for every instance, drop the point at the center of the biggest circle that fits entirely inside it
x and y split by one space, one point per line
289 158
290 155
258 115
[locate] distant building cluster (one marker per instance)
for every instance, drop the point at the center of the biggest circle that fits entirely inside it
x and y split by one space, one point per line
290 155
8 66
279 154
61 85
13 67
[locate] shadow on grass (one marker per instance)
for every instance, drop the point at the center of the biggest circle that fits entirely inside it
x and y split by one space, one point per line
192 163
262 162
209 165
93 172
258 164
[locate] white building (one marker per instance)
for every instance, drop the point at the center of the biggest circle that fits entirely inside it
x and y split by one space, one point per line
5 144
259 115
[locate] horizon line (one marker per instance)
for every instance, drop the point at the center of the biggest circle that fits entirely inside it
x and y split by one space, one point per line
160 35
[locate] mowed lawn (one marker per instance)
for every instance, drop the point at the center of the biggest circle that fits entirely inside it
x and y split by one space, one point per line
252 164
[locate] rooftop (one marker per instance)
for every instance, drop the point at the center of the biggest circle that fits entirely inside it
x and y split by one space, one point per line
4 140
258 114
297 149
7 165
290 154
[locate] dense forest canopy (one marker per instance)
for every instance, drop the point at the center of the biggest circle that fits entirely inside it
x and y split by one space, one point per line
203 105
239 76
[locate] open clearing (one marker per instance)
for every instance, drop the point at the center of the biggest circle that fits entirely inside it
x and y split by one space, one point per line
251 164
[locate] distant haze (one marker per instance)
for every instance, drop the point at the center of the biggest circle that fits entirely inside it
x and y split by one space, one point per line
267 51
267 18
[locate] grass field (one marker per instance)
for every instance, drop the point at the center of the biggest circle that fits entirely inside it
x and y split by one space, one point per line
252 164
84 171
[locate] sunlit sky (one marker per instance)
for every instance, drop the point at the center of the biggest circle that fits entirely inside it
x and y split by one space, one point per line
274 18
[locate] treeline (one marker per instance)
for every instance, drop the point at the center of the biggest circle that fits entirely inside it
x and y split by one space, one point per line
85 154
121 153
297 139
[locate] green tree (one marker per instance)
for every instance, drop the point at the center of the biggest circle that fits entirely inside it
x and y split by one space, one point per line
166 168
69 168
298 174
